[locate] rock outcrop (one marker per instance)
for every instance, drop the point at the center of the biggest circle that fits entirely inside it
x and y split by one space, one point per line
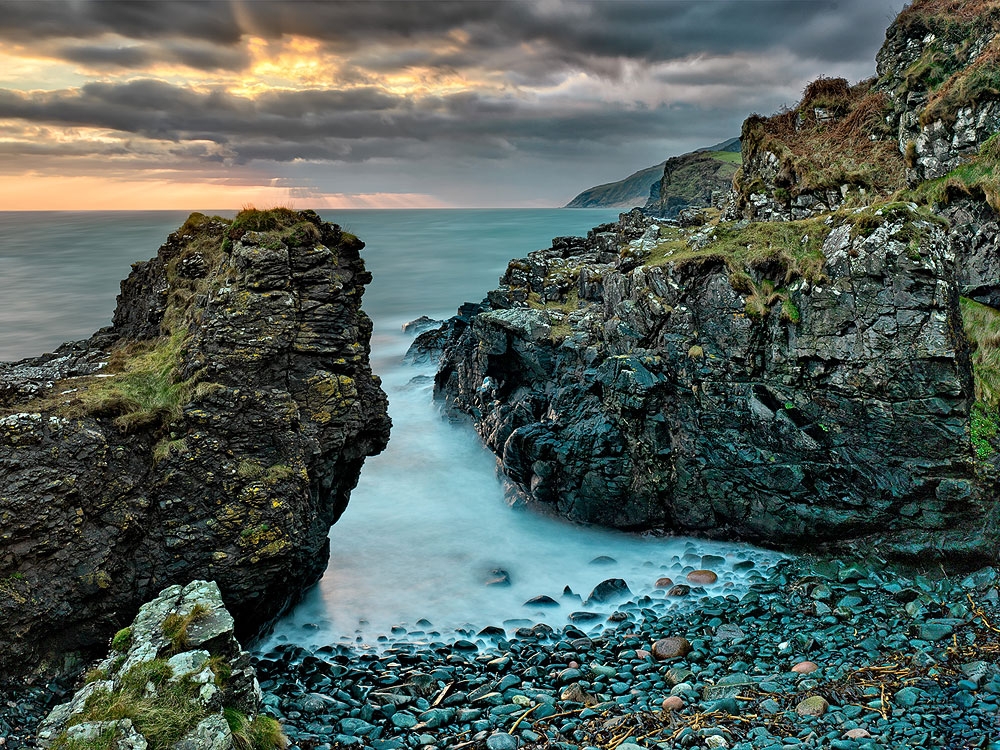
813 392
801 371
214 431
176 677
697 180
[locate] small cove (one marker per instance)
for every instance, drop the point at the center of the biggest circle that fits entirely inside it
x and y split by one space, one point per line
427 523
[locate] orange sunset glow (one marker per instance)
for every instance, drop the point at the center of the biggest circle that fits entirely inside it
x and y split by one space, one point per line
425 104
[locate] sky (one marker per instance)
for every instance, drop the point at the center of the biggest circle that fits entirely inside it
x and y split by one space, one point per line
143 104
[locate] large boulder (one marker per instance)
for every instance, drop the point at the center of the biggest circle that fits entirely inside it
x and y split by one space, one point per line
175 677
215 430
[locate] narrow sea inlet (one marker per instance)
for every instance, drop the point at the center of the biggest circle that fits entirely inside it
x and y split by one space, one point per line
427 527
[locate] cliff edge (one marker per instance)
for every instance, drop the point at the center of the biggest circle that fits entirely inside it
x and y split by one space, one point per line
215 430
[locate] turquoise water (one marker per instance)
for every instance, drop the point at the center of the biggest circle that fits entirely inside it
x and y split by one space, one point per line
427 522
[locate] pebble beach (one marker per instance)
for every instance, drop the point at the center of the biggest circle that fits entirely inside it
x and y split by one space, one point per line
815 654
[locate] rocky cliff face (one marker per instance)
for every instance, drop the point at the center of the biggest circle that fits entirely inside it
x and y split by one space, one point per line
687 383
697 180
215 430
797 372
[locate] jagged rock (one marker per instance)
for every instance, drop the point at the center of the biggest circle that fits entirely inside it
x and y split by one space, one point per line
216 429
836 410
181 641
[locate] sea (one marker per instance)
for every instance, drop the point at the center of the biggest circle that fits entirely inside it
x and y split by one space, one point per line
427 527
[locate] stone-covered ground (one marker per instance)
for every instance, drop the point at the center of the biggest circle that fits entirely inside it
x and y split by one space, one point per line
815 655
898 661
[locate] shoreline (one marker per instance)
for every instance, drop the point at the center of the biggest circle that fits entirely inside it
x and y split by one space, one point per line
907 661
910 662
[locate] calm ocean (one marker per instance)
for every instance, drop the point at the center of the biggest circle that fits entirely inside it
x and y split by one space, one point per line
427 521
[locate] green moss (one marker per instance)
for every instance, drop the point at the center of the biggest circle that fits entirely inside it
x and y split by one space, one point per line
978 178
122 640
790 312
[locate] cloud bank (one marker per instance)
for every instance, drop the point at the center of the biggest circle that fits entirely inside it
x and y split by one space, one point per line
467 103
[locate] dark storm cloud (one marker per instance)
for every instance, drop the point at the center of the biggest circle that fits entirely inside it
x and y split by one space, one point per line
336 125
195 55
561 33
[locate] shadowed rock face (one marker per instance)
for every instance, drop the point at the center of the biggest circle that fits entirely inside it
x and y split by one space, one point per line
214 431
684 396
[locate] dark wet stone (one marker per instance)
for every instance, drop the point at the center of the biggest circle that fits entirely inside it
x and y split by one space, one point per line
541 601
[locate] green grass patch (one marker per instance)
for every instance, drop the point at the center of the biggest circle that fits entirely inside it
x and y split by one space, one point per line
781 250
982 328
730 157
162 716
263 733
966 87
977 178
139 388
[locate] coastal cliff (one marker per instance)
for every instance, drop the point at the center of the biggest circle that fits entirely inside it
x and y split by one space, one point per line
215 430
813 368
691 180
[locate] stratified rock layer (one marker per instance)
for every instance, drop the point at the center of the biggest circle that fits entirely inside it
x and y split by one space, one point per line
215 430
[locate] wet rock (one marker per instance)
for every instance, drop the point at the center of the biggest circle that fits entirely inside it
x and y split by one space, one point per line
702 577
611 589
664 583
805 667
193 619
497 577
242 478
541 601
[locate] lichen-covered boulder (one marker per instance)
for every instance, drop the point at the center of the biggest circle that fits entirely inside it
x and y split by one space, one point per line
214 431
176 677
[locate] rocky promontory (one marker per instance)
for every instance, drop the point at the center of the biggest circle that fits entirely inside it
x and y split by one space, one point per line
813 367
215 430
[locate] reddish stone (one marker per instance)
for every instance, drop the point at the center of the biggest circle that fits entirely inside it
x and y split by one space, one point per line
805 667
671 648
664 583
702 577
673 703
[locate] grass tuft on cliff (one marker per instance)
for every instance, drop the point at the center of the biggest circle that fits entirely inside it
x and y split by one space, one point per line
943 70
979 177
982 328
283 224
781 251
817 153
